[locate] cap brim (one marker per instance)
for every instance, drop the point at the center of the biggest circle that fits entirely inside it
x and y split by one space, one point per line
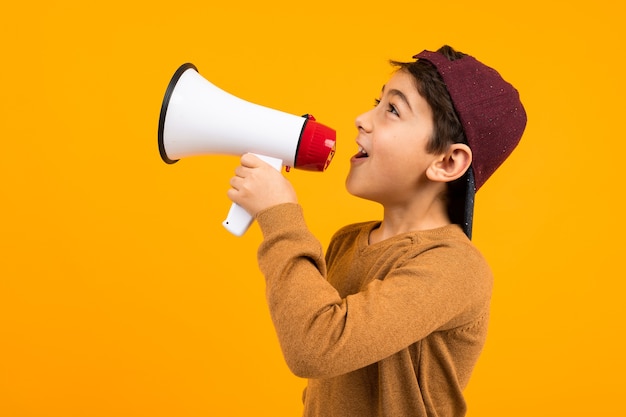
468 204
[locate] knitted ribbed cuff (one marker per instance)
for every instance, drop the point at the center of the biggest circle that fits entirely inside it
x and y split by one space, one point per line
280 218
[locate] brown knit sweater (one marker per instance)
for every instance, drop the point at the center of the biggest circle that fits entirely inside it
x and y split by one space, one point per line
390 329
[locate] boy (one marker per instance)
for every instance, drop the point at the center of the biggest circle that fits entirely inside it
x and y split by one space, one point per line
392 320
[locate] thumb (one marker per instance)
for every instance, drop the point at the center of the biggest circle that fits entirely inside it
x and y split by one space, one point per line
250 160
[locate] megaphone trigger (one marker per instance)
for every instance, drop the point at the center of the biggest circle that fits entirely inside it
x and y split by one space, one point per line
275 162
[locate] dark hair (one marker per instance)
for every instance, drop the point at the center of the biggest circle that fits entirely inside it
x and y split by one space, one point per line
447 126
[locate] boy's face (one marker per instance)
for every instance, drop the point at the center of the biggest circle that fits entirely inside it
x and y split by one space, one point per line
392 138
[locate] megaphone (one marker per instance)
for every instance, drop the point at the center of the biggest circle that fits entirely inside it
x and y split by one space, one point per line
198 118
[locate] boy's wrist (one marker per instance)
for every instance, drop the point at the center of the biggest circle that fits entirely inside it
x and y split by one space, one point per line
280 216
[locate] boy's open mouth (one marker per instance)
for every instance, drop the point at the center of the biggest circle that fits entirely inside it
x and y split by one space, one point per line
361 154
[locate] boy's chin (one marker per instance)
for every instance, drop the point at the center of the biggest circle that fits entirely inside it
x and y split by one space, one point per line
350 185
356 191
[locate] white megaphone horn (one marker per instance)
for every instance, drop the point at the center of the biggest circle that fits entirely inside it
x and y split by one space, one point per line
198 118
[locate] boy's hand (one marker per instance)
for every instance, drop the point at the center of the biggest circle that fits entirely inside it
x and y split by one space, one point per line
257 186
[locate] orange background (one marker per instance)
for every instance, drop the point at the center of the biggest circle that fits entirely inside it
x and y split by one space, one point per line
122 295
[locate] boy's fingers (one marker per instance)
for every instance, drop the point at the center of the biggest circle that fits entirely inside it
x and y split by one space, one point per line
250 160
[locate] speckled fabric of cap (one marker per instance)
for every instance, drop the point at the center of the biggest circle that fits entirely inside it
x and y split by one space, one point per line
491 113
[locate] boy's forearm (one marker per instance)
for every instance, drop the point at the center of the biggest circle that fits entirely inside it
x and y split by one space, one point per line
293 264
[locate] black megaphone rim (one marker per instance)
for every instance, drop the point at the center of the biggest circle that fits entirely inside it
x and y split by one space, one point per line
166 101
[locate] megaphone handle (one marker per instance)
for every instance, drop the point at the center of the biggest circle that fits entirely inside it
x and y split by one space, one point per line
238 219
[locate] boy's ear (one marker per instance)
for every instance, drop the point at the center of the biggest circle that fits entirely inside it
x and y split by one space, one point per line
450 165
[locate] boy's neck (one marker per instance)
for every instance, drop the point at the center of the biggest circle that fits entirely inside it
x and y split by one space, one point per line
405 219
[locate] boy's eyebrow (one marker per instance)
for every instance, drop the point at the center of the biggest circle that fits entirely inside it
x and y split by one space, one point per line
399 94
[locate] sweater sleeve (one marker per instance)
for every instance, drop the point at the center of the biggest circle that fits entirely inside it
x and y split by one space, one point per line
321 334
292 261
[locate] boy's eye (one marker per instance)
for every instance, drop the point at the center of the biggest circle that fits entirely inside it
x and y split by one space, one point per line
392 109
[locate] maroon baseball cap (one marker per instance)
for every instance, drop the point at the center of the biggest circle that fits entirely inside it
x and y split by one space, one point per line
491 113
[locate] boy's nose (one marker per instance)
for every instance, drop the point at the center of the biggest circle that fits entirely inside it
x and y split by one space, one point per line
363 121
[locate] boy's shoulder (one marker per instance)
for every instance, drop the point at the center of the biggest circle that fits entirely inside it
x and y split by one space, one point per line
356 227
349 234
